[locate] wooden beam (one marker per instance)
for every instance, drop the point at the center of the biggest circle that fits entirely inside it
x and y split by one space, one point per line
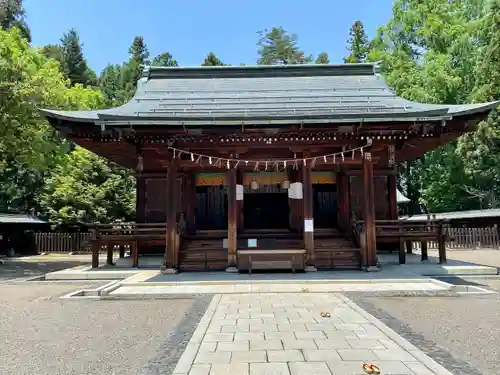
169 264
140 203
190 202
392 197
308 215
344 214
232 221
369 213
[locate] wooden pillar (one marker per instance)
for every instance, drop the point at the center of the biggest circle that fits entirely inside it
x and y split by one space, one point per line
369 213
140 200
169 264
424 254
442 231
392 197
239 203
232 221
344 218
308 215
190 202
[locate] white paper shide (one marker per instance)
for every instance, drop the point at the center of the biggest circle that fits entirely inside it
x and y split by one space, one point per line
239 192
295 190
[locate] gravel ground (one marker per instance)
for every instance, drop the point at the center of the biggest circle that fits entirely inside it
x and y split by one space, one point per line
43 334
461 333
12 269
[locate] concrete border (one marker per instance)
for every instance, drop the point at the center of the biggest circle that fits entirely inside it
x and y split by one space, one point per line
402 342
188 356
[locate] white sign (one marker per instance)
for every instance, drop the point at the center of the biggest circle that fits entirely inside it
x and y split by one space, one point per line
308 225
225 243
239 192
295 190
252 242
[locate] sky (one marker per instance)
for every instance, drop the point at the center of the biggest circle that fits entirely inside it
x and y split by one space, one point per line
190 29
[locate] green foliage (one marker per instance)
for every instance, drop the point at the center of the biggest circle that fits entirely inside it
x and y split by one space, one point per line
278 47
357 44
164 59
322 58
84 188
110 85
73 63
12 14
131 71
212 60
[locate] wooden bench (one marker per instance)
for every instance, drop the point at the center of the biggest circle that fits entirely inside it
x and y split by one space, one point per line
293 259
127 234
404 232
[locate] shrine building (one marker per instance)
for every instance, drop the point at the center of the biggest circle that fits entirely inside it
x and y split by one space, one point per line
242 168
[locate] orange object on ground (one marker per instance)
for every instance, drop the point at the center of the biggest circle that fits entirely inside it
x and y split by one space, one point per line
370 369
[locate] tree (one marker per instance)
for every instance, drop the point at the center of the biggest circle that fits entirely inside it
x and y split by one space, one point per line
278 47
110 85
357 44
54 51
12 14
74 65
322 58
28 145
164 59
132 69
85 188
212 60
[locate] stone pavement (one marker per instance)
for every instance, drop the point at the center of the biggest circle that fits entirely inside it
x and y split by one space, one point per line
284 333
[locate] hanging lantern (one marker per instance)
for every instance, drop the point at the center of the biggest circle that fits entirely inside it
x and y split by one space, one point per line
254 185
285 184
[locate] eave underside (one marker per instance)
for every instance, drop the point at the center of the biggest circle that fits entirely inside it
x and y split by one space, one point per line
123 145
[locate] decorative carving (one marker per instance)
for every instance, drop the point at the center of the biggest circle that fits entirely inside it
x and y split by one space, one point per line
368 156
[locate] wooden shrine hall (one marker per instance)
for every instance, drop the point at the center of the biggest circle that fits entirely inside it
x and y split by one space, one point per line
263 167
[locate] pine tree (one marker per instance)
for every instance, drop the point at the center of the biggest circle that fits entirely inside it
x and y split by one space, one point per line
357 44
74 65
164 59
278 47
132 70
322 58
12 14
109 83
212 60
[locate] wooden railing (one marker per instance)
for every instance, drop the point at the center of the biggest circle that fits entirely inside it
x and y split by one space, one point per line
405 233
58 242
131 235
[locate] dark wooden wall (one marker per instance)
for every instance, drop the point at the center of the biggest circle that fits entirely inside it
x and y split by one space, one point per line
380 192
211 207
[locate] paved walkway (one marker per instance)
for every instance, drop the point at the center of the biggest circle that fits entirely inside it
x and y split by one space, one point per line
284 333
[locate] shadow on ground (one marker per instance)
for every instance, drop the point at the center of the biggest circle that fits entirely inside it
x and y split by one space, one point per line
12 269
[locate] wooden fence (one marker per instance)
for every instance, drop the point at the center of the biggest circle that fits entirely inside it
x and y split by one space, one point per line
469 238
63 242
461 238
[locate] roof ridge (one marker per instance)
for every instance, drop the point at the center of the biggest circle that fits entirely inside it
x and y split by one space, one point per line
295 70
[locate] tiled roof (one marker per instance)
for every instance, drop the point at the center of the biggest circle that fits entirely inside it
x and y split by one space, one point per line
19 219
471 214
266 94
